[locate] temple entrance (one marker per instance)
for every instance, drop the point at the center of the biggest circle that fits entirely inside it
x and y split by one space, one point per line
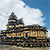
26 35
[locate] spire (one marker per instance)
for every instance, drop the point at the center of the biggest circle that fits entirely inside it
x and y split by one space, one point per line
21 21
12 13
12 19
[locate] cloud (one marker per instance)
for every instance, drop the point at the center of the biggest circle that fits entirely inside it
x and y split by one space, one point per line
48 33
21 10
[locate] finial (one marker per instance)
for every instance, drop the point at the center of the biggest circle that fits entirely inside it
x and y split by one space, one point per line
12 13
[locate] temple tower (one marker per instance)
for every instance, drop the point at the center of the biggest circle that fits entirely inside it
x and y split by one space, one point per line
11 21
14 22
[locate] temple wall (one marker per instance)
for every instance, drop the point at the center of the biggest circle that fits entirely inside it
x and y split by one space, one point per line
38 34
11 35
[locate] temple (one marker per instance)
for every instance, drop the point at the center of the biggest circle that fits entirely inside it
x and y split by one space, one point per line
18 34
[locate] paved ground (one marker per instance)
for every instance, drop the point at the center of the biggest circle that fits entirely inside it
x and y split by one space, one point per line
7 47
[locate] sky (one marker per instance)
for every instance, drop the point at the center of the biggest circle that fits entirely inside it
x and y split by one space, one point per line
32 12
43 5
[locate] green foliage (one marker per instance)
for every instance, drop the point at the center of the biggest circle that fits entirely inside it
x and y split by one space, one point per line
48 37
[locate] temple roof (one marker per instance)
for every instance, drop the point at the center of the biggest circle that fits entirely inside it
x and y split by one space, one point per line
35 25
21 28
12 15
11 31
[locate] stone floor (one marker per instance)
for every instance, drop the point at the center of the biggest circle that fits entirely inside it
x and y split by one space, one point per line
7 47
